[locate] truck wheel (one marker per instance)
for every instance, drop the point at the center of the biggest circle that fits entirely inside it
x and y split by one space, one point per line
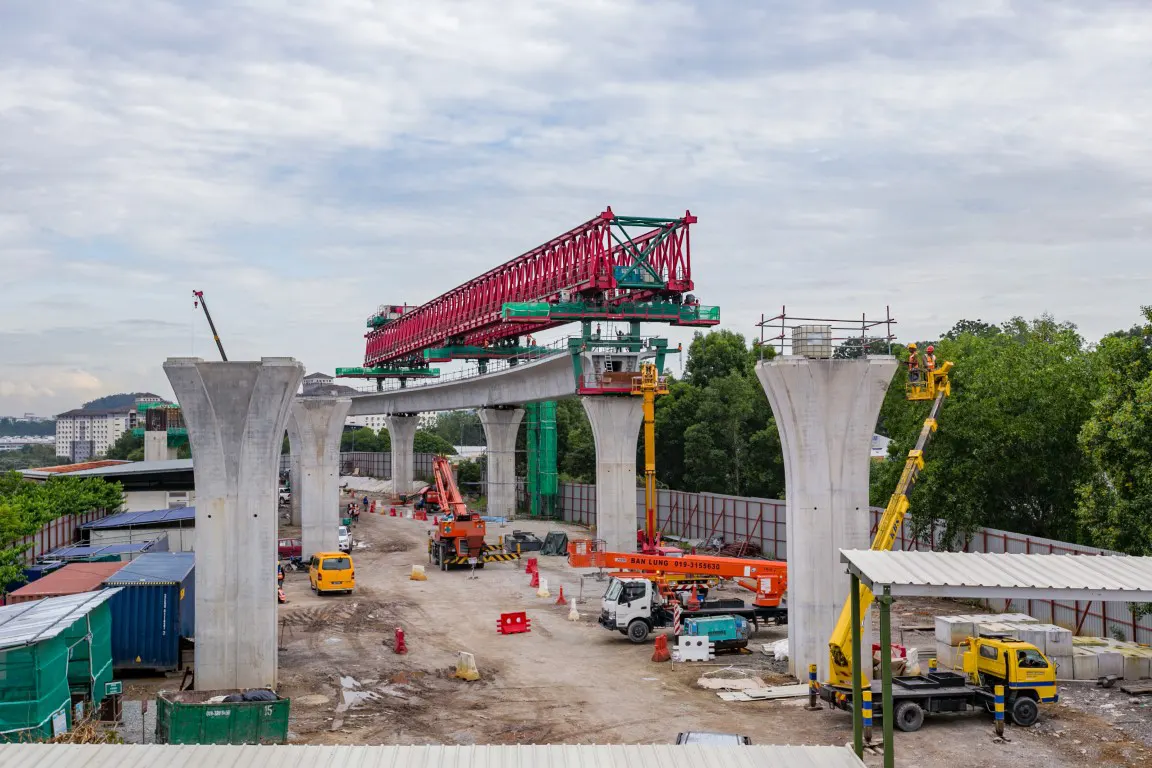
1024 711
638 631
909 716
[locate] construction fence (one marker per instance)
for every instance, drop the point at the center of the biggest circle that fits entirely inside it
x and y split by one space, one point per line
702 516
377 465
61 532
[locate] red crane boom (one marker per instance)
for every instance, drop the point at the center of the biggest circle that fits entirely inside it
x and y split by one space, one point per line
586 260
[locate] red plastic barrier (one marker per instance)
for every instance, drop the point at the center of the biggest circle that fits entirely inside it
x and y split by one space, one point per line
513 623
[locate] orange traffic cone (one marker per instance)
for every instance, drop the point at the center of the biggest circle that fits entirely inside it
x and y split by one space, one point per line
660 653
694 600
400 646
535 579
560 600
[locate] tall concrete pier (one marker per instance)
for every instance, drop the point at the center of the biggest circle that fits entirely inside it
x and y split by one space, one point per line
826 413
616 430
315 425
500 428
236 414
402 433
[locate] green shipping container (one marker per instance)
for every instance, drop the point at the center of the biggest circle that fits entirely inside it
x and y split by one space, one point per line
186 717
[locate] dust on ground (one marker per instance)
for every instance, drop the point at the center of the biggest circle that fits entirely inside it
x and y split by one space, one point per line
574 682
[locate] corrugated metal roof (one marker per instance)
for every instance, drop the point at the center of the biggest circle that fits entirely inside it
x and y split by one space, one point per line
72 579
155 568
551 756
84 550
27 623
1010 576
137 468
60 469
151 517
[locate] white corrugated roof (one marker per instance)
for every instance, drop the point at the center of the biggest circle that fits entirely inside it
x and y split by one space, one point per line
552 756
26 623
1010 576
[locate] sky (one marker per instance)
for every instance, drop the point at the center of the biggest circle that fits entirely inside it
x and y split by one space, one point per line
304 162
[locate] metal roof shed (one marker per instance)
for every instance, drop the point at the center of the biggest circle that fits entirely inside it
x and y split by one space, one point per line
48 648
1114 578
480 756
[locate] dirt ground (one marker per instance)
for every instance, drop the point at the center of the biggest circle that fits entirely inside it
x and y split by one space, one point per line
574 682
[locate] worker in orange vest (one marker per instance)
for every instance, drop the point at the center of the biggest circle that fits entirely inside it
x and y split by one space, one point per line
913 364
930 359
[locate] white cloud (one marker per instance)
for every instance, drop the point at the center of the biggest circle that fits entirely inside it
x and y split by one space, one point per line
304 162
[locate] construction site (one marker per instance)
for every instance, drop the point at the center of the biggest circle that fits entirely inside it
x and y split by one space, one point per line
404 613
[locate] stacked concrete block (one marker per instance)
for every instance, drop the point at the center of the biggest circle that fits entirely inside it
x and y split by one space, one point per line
951 631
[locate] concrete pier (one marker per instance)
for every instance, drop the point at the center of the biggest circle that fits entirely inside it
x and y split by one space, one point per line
236 414
294 485
402 433
315 425
500 428
156 446
616 430
826 413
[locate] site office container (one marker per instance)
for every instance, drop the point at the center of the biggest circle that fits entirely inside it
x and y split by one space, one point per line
155 608
72 579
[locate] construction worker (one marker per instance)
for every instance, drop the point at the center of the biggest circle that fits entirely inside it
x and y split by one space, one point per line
913 364
930 359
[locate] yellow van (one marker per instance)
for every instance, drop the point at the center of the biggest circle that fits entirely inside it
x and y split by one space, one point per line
331 572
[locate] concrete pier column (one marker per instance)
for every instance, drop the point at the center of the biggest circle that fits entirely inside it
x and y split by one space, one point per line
616 429
315 425
156 446
402 433
236 414
294 480
500 428
826 413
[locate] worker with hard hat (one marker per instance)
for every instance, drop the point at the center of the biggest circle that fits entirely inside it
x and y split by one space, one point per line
930 359
913 364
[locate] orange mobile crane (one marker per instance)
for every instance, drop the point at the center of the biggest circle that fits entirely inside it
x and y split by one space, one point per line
643 590
458 538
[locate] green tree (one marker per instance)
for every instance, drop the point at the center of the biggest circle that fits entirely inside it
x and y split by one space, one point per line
970 328
1006 453
31 456
26 507
430 442
459 427
128 447
575 447
10 427
1116 496
367 440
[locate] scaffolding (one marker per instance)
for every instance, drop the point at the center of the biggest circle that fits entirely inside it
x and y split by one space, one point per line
543 478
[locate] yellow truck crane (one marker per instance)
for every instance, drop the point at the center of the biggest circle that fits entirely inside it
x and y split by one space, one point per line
934 386
1027 678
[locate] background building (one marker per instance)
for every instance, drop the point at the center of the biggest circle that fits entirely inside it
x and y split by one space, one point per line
84 433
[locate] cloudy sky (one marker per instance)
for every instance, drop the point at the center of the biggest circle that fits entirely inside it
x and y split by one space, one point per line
302 162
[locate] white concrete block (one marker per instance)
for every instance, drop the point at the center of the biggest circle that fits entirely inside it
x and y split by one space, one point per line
1085 665
1034 634
695 648
1136 664
1065 667
948 657
1110 663
1058 640
1017 618
953 630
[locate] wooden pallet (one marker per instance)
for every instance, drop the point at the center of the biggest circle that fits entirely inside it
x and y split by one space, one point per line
1137 688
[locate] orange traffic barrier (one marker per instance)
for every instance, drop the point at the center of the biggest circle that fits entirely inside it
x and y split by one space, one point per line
513 623
660 653
532 565
535 579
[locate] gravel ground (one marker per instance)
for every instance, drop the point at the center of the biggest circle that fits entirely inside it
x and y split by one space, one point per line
130 728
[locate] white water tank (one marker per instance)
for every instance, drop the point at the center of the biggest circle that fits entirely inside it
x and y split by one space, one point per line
813 341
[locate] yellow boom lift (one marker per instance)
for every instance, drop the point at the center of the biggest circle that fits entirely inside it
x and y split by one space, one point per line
649 384
934 386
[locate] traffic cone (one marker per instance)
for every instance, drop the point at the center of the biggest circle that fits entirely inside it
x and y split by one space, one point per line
535 579
660 653
372 509
400 646
543 590
694 600
560 600
418 574
573 615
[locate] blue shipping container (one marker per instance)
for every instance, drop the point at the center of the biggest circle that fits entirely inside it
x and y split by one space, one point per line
155 608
